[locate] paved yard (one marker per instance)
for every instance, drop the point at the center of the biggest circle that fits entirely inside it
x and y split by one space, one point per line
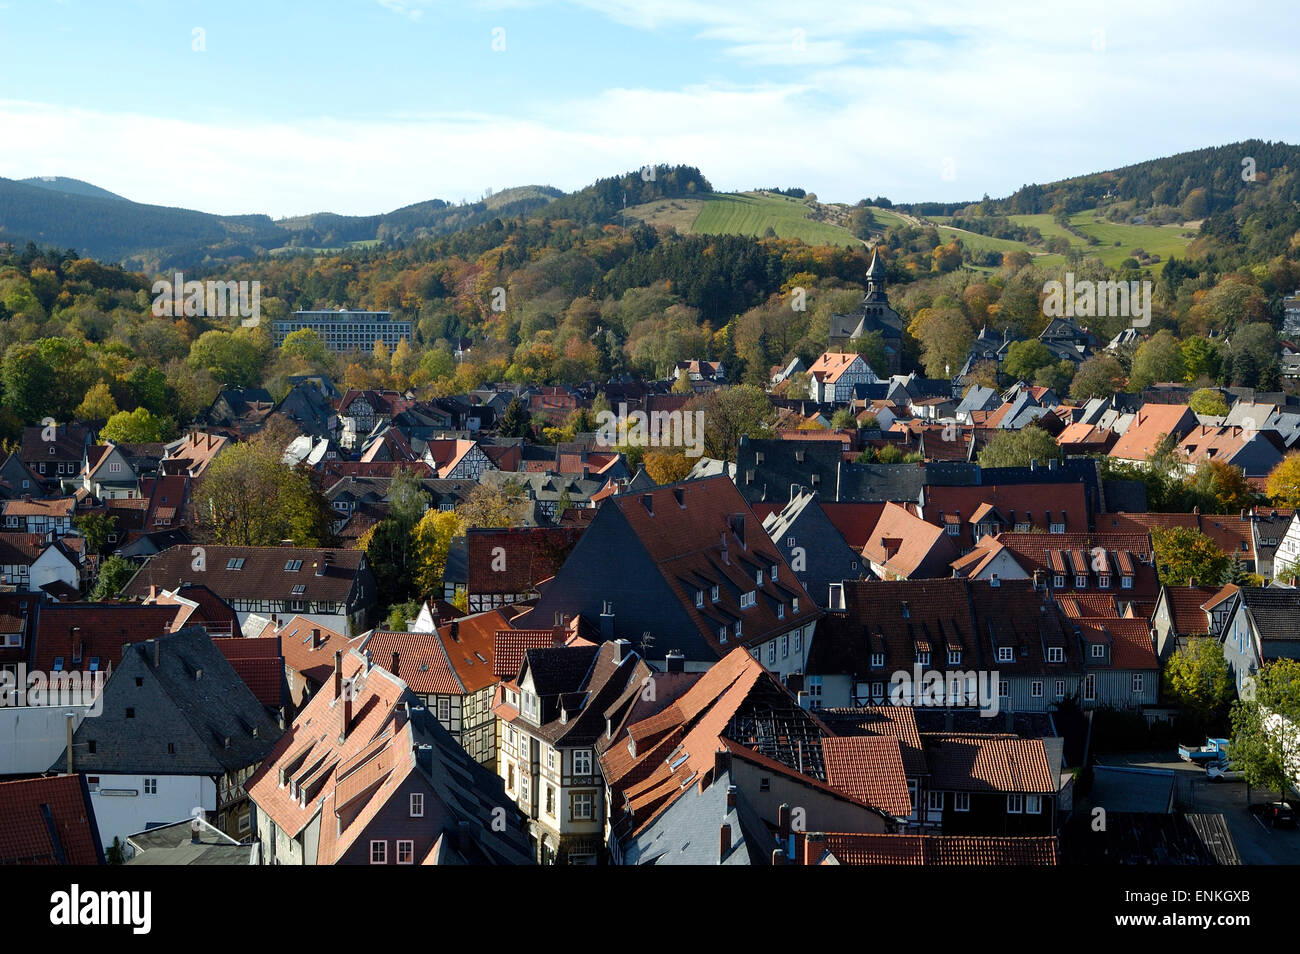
1194 792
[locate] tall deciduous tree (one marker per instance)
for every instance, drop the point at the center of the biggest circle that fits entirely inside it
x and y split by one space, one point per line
1187 557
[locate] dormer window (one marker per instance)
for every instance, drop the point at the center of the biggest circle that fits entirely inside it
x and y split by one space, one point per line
780 611
1126 582
738 629
773 572
1058 582
1055 654
747 600
1058 528
1081 581
794 605
954 529
877 660
1103 582
722 634
758 578
954 657
923 657
1098 650
713 593
699 599
235 563
1006 654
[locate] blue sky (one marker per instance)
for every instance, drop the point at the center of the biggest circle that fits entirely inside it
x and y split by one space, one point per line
361 106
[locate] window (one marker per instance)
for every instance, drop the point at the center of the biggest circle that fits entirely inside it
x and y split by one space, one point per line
237 563
405 852
582 806
1090 687
1058 528
785 646
954 529
954 657
417 804
699 598
550 758
1036 689
798 639
1103 582
444 710
531 709
713 593
1126 582
1137 683
923 657
550 800
877 660
961 801
1081 581
1006 654
934 801
1004 689
293 566
877 691
1060 688
299 589
738 629
1055 654
171 748
1033 804
58 664
773 572
780 611
245 822
1023 527
794 605
722 634
379 852
771 651
1098 650
582 761
151 786
747 600
758 577
1015 804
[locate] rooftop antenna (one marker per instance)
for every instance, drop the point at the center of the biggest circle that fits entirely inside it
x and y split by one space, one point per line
647 641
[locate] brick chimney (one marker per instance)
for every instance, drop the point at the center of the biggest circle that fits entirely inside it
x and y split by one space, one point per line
397 658
338 673
724 841
814 846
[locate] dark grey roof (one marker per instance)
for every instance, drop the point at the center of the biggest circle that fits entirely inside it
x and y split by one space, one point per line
560 669
1127 496
687 833
1276 611
174 845
192 700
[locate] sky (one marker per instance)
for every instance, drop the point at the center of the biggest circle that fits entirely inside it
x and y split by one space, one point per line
363 106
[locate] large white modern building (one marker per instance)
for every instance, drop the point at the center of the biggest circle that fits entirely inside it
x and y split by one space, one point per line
345 330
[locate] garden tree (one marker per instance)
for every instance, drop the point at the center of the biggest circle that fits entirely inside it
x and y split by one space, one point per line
667 466
1229 305
233 357
432 539
516 421
407 500
137 427
400 613
983 373
843 420
1017 448
1254 356
1283 484
1208 401
26 377
380 354
1196 677
1055 376
491 506
1200 359
1159 358
403 359
872 348
1187 557
94 529
248 496
72 372
1264 746
305 343
390 544
729 414
945 337
682 385
1023 358
1219 487
98 404
114 574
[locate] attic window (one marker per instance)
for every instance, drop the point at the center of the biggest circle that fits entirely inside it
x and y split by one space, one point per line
58 664
800 455
94 663
299 589
293 566
235 563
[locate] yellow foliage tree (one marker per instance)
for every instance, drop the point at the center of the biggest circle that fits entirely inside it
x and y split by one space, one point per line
432 537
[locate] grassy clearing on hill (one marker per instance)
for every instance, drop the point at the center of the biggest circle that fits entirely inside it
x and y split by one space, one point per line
746 213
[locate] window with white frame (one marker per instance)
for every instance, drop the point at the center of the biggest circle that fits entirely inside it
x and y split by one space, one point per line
794 605
1103 582
1090 687
550 758
713 593
699 598
1060 688
923 657
877 660
583 806
1126 582
1015 804
877 691
151 786
1006 654
1058 582
1081 581
954 657
747 600
405 852
1033 804
582 761
444 710
417 804
798 640
1004 689
722 634
1098 650
954 529
1036 689
771 651
738 629
1057 528
961 801
934 801
379 852
785 645
1055 654
1137 683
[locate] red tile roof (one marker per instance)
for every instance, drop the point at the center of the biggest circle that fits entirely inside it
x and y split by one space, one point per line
1185 605
989 763
516 560
870 769
259 664
25 836
1152 422
456 660
78 633
968 850
907 546
510 645
308 648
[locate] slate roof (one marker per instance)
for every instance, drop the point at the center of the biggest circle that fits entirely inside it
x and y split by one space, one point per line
48 821
174 845
687 832
193 699
1275 611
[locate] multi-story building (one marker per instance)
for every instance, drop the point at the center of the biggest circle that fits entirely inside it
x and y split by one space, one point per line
345 330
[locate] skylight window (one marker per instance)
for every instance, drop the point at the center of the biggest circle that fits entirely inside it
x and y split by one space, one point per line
235 563
293 566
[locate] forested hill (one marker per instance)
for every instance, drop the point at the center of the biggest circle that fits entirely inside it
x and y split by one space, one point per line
68 213
1196 183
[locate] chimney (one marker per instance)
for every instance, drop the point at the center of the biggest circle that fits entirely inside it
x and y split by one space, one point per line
338 673
153 592
814 846
778 857
397 658
731 796
347 713
674 661
315 639
721 765
724 841
453 630
621 646
68 722
783 822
